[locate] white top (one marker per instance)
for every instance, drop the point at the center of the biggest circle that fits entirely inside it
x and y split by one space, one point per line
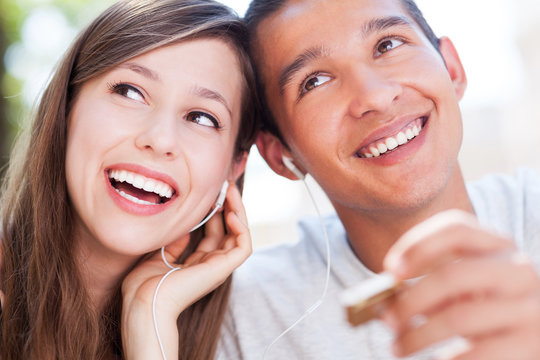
276 285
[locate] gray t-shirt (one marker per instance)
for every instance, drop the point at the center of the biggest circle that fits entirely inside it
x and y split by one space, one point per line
276 285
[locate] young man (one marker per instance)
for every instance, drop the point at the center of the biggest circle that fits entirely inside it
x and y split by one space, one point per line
363 97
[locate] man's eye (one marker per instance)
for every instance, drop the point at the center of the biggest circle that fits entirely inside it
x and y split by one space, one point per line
387 45
203 119
314 81
127 91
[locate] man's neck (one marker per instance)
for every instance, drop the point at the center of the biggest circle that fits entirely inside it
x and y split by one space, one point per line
371 234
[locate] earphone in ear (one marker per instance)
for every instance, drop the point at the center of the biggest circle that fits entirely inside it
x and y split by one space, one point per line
219 203
288 162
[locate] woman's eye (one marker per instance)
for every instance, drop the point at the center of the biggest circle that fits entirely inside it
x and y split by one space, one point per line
387 45
314 81
128 91
203 119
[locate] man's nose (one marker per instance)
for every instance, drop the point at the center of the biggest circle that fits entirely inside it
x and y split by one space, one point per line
372 90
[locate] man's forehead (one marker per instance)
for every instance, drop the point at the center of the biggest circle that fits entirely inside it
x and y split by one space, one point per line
300 24
298 11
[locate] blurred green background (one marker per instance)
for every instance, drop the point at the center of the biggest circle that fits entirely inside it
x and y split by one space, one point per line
33 31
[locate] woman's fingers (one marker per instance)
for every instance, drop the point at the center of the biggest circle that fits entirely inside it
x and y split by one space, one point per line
176 248
214 233
235 244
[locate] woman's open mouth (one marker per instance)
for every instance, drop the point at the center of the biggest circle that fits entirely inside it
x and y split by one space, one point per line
140 189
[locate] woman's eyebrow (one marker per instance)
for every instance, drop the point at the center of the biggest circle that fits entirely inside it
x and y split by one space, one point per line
211 95
142 70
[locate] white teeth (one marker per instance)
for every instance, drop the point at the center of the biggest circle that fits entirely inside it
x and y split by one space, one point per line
401 138
374 151
134 199
140 182
158 189
390 143
149 186
409 134
123 176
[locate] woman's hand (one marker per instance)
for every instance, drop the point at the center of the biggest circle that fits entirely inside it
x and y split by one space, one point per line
214 260
475 285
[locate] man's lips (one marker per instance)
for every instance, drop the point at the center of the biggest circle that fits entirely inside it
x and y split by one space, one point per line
391 142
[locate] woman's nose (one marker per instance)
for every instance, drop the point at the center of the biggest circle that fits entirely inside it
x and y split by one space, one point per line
160 135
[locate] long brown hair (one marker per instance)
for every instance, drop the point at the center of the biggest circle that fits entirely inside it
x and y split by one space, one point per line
47 313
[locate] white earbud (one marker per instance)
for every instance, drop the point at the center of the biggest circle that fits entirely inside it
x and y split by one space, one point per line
288 162
219 203
222 194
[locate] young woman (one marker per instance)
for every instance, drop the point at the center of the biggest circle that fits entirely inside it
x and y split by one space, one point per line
149 113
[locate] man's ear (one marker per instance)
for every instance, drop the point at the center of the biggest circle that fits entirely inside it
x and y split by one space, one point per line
272 150
453 65
238 166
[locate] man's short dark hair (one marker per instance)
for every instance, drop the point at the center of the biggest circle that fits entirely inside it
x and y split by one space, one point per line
261 9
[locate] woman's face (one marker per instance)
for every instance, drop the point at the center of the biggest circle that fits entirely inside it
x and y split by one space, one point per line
150 144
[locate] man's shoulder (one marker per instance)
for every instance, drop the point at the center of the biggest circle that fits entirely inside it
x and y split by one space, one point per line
286 262
504 190
509 203
524 180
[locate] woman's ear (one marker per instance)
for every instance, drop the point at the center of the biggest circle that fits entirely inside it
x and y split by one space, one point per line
272 150
453 65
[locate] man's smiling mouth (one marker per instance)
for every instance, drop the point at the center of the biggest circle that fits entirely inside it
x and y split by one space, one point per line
140 189
390 143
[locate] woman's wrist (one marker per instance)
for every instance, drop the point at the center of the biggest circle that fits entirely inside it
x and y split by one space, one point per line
139 336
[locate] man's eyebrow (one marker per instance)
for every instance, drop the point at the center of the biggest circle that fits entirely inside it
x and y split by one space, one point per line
317 52
212 95
301 60
381 24
139 69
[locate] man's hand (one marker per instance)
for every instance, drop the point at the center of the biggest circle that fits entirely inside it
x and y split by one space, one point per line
473 284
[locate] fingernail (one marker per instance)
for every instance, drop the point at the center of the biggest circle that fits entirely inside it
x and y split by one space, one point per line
396 265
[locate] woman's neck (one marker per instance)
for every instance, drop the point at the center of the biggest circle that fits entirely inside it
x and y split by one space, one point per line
102 270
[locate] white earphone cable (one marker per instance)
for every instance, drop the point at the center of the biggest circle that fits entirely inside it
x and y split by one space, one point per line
219 204
154 317
317 303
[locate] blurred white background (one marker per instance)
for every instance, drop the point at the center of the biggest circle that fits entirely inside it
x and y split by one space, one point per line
498 41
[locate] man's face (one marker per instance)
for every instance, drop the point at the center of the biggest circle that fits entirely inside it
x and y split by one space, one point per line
364 101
